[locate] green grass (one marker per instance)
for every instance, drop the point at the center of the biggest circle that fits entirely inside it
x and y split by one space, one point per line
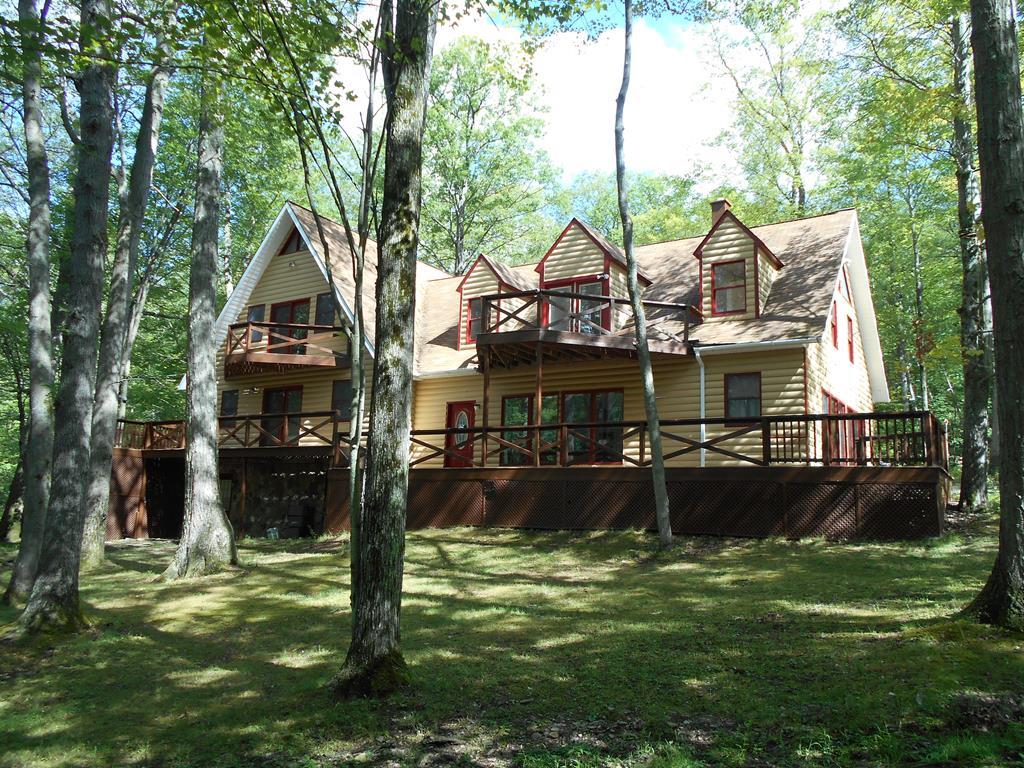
532 650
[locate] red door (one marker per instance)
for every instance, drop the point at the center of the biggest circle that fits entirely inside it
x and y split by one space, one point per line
459 444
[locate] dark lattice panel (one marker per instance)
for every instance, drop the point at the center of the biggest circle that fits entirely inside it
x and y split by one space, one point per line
126 512
751 509
336 514
597 504
127 475
442 503
897 511
135 524
821 509
524 504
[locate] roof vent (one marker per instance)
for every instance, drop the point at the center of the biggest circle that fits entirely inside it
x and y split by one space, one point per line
718 209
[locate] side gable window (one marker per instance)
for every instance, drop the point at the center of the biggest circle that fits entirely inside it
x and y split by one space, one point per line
729 287
833 324
743 396
474 318
849 336
844 284
229 406
325 309
255 315
341 399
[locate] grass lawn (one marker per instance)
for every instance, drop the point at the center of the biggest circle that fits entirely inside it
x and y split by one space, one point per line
535 650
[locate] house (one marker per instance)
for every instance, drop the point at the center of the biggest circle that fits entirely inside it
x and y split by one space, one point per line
527 400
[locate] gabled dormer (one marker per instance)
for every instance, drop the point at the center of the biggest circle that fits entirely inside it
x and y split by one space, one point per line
736 268
485 277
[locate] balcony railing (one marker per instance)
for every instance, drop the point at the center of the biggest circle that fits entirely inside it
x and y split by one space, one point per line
252 344
909 439
583 313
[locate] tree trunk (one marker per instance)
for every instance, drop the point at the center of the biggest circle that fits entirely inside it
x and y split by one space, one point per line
227 275
374 664
39 452
207 542
115 324
54 599
15 504
1001 151
639 318
919 327
974 458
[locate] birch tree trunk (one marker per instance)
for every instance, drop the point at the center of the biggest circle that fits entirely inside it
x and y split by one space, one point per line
639 318
39 452
207 542
1001 152
974 458
53 602
374 664
115 324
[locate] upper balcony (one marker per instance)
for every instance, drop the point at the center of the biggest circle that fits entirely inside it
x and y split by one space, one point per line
260 347
580 326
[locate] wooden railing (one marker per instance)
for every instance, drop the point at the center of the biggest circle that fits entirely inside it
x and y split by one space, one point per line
284 339
583 313
913 438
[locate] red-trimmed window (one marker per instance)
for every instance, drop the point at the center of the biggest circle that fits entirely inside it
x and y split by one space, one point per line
742 396
833 324
849 337
474 318
729 287
595 444
578 315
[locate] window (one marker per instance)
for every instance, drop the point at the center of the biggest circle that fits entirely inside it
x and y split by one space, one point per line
341 399
743 396
289 313
228 406
578 315
596 444
255 315
294 243
517 410
849 337
281 429
729 288
474 324
833 324
844 284
325 314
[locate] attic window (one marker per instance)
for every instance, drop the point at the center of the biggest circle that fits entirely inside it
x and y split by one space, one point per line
293 244
474 312
729 288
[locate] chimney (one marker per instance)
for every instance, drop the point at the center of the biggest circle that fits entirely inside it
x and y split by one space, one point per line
718 208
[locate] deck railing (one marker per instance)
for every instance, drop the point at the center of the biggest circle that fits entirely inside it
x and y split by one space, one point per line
283 338
557 310
913 438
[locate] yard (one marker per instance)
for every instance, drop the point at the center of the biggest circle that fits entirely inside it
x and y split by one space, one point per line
531 650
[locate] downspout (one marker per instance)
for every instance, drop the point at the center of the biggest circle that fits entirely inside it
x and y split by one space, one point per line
703 426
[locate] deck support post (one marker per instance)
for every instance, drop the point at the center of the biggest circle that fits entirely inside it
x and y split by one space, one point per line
243 492
538 404
486 403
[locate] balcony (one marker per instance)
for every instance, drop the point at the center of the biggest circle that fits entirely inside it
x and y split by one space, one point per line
260 347
577 326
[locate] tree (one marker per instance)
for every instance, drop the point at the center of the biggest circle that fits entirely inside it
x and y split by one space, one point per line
633 284
39 447
1001 153
374 664
133 196
53 602
484 175
207 542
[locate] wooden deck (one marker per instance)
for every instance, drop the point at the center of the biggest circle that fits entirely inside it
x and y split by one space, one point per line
261 347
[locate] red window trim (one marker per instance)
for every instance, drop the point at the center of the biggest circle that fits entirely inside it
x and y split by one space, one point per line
574 283
849 336
716 288
725 397
591 448
470 338
834 324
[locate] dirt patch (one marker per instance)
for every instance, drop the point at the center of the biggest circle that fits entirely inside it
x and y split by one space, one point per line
981 711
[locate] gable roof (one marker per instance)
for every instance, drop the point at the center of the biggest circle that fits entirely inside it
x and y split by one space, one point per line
609 248
505 274
760 243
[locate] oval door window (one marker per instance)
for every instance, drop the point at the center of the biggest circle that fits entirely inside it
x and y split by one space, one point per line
461 423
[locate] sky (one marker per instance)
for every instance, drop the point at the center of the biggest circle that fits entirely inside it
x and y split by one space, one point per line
678 102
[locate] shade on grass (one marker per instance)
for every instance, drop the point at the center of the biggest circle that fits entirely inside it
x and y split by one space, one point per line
533 650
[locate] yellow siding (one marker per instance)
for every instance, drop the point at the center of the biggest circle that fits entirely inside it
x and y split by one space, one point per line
575 256
830 368
729 243
676 383
481 282
766 274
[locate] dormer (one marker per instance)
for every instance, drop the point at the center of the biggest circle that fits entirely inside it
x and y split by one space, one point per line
485 277
584 261
736 268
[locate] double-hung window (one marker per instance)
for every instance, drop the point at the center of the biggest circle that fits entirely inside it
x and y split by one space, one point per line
599 443
474 318
742 396
729 287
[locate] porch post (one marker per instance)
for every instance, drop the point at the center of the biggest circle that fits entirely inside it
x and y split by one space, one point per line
538 403
487 402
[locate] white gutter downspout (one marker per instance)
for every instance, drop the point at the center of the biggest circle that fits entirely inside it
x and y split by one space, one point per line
703 427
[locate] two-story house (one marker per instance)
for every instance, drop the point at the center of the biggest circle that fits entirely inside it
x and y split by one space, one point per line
527 400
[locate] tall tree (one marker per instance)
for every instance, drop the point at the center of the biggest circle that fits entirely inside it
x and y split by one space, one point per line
133 194
39 449
207 542
639 318
53 602
973 317
374 664
1001 153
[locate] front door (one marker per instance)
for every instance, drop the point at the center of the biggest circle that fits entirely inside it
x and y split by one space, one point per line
459 444
281 430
